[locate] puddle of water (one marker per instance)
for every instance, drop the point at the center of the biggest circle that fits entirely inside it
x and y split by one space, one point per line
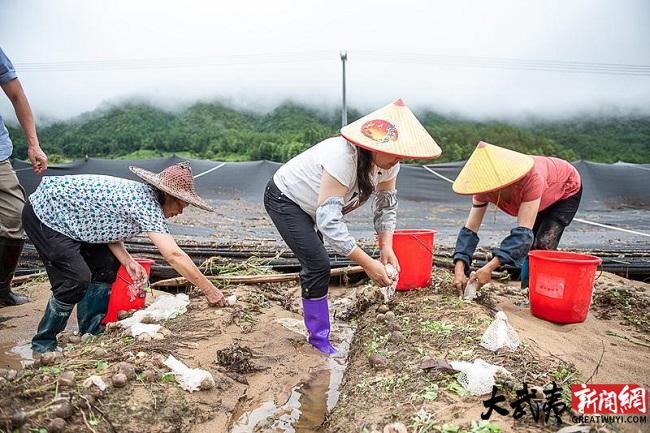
308 403
16 356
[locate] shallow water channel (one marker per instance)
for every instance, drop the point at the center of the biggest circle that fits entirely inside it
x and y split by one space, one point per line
307 404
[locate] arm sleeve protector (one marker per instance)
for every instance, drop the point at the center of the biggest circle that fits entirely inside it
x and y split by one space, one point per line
465 246
385 211
329 220
515 247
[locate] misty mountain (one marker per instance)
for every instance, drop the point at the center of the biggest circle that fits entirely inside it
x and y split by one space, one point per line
216 131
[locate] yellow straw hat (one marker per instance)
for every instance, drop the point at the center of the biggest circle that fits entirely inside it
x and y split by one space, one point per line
490 168
392 130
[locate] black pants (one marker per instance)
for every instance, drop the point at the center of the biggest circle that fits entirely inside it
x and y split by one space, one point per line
71 265
297 229
550 223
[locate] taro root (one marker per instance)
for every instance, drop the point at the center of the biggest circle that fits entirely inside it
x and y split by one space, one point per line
394 326
166 332
396 337
148 319
48 358
9 374
91 398
207 384
87 338
111 326
18 418
376 361
64 338
126 369
144 337
121 315
150 376
383 309
100 352
67 378
119 380
380 317
74 339
389 316
94 392
63 410
56 425
157 336
396 427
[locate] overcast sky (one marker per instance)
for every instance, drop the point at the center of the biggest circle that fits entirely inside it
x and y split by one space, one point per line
449 56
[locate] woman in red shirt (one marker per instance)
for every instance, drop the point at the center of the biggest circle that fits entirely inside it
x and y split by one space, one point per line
542 192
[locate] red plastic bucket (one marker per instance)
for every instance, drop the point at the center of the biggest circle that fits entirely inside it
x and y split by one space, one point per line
120 299
561 285
414 251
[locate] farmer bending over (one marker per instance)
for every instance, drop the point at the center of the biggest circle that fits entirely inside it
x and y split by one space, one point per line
308 196
542 192
78 225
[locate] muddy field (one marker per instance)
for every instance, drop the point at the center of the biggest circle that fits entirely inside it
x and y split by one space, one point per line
268 379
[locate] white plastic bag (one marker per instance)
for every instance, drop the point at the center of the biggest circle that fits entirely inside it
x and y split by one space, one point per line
165 307
190 379
389 291
500 334
477 377
144 328
95 380
471 288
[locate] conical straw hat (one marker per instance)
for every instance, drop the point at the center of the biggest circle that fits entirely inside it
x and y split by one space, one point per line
176 180
392 130
490 168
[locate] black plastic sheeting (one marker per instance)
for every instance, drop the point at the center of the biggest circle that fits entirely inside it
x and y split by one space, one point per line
606 186
614 194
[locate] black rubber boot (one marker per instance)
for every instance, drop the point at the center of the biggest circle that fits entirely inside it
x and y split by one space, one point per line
10 250
53 322
92 308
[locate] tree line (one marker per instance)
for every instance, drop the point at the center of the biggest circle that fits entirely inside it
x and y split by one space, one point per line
218 132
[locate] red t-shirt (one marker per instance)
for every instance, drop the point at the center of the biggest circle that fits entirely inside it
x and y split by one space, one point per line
552 179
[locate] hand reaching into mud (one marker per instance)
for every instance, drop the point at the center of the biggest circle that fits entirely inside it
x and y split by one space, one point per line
460 280
216 298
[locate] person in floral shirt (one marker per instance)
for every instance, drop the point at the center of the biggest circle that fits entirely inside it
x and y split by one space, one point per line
78 225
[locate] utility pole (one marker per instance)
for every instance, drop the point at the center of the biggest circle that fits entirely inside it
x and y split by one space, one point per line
344 109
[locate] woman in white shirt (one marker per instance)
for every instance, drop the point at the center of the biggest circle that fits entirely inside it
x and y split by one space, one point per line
308 196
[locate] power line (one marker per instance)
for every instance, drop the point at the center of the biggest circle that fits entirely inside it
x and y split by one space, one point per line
479 62
505 63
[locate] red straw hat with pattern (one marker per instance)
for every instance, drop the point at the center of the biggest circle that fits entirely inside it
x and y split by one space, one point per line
175 180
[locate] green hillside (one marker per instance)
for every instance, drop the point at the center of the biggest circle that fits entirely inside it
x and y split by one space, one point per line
216 131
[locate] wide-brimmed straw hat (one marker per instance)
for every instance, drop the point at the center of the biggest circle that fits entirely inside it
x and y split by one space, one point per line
392 130
175 180
490 168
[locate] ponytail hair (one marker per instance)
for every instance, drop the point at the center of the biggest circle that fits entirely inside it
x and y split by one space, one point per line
364 167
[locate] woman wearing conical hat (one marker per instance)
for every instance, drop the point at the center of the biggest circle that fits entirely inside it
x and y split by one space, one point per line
543 193
308 196
78 225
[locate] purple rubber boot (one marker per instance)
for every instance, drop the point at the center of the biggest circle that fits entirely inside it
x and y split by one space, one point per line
317 321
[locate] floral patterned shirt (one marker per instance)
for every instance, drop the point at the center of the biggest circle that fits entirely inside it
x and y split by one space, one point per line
97 209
